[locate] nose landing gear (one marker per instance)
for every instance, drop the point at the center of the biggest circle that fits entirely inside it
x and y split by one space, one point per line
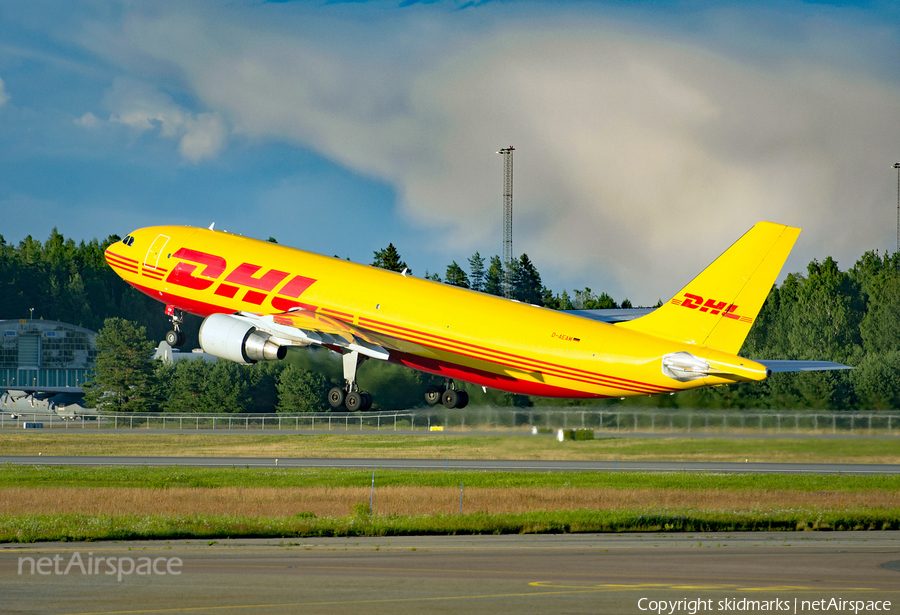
175 338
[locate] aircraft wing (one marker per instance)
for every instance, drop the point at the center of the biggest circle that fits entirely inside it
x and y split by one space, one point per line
300 327
610 315
801 366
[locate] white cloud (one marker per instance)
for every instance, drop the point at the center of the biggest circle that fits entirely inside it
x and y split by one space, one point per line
639 157
88 120
204 136
143 108
3 95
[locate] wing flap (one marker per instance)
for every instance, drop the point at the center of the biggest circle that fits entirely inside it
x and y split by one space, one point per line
303 328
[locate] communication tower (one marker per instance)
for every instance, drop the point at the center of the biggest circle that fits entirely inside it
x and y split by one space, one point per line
507 212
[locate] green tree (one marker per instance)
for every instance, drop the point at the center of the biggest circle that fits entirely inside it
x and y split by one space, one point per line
525 281
456 276
263 378
587 300
302 390
476 272
389 259
880 280
877 381
187 385
228 387
827 310
123 375
495 280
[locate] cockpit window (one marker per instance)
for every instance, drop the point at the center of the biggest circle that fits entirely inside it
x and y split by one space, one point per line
128 240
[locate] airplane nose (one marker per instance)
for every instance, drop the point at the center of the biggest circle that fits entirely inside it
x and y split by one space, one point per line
110 253
119 256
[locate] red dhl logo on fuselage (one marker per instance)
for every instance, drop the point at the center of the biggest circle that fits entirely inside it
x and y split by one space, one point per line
245 277
696 302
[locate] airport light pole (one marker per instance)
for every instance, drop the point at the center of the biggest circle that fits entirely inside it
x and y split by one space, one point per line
897 166
507 152
32 313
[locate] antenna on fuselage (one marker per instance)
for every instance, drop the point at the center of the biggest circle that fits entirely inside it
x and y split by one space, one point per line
211 226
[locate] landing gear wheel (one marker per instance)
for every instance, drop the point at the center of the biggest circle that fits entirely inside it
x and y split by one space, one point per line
367 401
450 398
463 400
353 401
175 339
336 398
433 395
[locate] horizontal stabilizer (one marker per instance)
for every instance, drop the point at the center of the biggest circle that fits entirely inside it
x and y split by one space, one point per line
610 315
802 366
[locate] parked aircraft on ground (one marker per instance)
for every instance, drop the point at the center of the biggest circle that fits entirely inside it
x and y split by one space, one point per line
258 298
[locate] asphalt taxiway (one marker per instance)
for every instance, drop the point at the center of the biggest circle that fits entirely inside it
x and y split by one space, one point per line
587 573
460 464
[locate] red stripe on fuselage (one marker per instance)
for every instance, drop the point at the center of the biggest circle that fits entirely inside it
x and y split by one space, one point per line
481 377
504 358
120 257
198 308
485 378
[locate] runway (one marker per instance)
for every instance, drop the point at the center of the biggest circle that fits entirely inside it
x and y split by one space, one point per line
619 574
462 464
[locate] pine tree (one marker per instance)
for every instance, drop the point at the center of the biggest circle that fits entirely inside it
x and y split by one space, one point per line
476 272
186 390
456 276
389 258
228 388
123 374
494 281
526 281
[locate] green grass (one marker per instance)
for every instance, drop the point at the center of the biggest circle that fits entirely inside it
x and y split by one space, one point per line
35 527
72 527
331 445
156 477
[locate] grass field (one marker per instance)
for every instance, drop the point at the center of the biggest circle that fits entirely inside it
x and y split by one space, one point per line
74 503
855 450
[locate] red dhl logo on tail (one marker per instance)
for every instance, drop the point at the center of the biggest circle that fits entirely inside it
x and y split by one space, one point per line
696 302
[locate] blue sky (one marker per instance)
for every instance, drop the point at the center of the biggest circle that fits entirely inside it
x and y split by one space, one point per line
648 135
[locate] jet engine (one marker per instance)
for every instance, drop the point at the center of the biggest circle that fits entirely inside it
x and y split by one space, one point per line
235 339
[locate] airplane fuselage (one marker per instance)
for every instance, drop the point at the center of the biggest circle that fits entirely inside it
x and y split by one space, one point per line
429 326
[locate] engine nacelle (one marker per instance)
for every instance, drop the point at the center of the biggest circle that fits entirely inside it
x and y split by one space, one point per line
237 340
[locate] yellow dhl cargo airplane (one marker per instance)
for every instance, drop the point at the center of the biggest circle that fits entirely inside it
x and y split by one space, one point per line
259 298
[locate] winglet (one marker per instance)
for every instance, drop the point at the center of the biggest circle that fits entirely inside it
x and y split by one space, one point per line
718 307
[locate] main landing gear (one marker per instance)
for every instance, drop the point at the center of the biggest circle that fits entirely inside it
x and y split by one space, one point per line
446 394
175 338
349 397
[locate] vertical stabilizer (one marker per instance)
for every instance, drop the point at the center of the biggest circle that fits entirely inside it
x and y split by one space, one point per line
719 306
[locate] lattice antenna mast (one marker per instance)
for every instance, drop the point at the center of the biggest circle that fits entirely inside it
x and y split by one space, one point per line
507 214
897 166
